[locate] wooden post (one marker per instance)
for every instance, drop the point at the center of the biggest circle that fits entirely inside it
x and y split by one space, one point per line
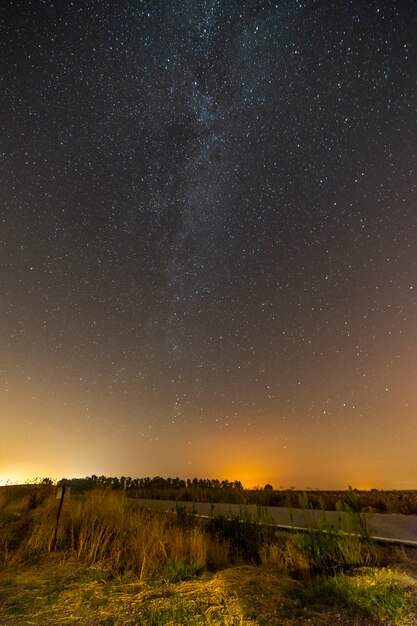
61 501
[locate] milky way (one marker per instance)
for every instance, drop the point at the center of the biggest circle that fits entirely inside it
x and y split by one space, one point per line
208 240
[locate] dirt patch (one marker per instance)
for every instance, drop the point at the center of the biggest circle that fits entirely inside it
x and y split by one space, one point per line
55 593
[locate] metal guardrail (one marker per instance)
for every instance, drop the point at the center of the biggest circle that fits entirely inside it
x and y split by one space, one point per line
190 509
289 528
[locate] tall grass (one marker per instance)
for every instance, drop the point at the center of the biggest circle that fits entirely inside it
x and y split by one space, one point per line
324 547
244 537
110 533
312 552
106 530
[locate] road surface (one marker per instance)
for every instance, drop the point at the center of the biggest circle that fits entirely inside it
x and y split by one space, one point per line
384 526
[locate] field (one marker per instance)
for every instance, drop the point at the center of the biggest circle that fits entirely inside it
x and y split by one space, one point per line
232 492
109 562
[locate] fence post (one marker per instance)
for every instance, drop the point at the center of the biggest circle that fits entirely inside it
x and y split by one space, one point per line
61 501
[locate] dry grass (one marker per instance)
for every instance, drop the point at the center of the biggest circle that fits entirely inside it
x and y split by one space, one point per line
114 564
303 554
54 593
107 531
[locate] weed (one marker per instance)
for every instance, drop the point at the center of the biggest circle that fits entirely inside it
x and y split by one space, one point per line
184 518
176 570
245 538
314 551
168 617
384 594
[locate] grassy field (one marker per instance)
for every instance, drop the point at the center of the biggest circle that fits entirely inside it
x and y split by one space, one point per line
110 563
212 490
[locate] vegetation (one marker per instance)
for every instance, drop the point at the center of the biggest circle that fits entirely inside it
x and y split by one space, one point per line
232 492
386 594
108 561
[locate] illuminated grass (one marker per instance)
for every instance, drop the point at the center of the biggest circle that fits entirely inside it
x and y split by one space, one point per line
117 564
384 594
106 530
52 593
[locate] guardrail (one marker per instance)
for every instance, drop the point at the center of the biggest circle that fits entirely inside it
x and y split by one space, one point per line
383 528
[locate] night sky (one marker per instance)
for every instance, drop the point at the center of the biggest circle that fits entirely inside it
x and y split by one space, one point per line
208 227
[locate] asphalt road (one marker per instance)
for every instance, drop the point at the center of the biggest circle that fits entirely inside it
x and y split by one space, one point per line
387 526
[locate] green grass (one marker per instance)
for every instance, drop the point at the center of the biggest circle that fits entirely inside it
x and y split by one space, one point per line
176 570
386 594
169 616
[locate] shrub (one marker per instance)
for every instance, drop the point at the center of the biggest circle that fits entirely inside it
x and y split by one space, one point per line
317 551
245 538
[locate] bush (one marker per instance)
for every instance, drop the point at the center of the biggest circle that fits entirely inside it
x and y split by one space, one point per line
316 551
245 538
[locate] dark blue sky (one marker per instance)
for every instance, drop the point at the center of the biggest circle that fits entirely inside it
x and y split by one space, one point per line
208 239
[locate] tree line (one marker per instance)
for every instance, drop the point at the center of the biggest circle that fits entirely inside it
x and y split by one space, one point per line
147 483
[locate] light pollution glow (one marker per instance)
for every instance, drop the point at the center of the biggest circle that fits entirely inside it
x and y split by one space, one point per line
208 241
324 459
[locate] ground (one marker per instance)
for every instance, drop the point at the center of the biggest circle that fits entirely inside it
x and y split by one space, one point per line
58 592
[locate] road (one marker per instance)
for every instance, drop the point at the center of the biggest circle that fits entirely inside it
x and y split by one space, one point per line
384 526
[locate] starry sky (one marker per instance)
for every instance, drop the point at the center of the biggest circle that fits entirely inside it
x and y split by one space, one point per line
208 233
